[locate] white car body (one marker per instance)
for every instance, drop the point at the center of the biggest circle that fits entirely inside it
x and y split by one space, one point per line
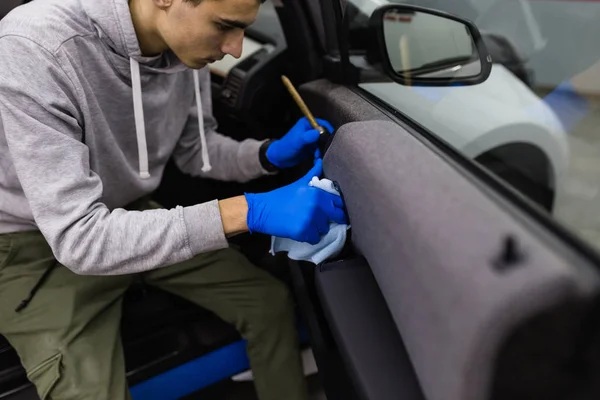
476 119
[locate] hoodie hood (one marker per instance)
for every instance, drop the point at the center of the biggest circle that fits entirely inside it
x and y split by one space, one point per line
114 26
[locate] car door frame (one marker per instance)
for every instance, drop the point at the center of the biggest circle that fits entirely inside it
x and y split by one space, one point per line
550 231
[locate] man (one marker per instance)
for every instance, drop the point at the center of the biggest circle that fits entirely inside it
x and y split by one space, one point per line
95 97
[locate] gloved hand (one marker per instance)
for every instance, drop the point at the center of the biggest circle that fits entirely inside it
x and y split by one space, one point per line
297 145
297 211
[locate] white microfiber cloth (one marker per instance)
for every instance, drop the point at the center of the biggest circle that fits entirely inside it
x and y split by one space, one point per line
330 245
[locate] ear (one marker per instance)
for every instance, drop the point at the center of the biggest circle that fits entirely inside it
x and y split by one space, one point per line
163 4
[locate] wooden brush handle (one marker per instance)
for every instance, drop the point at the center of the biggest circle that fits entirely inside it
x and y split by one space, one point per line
301 104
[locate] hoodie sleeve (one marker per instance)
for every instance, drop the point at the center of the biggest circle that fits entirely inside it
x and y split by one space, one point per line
231 160
42 122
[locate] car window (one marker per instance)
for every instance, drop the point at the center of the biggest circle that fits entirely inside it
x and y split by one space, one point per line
535 122
267 23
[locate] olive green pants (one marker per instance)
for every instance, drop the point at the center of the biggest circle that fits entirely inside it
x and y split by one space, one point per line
68 337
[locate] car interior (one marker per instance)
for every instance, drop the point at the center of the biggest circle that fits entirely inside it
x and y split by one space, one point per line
446 289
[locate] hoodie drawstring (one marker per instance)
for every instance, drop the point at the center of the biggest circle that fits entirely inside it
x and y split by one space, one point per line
205 160
140 126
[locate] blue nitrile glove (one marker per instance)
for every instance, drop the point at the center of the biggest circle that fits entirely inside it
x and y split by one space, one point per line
297 211
297 145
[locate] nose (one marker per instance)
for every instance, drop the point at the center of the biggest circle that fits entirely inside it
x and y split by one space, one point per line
233 44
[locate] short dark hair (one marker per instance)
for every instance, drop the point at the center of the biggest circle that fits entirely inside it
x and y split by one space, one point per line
196 2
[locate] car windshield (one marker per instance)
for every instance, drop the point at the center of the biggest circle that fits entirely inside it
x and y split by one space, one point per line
535 122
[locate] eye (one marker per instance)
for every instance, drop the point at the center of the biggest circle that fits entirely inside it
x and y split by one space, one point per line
223 27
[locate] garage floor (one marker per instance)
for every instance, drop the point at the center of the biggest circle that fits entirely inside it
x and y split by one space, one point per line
578 200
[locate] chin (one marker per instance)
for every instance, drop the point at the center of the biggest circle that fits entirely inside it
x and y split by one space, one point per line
197 65
194 64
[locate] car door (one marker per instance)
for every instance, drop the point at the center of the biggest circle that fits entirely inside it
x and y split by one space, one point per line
457 282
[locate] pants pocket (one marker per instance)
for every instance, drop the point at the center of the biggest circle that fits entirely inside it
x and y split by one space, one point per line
46 375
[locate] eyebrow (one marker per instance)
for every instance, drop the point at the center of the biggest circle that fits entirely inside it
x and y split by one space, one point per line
236 24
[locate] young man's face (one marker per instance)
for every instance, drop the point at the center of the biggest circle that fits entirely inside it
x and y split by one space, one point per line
204 33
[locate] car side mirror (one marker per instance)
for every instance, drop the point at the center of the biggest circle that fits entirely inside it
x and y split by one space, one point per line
423 47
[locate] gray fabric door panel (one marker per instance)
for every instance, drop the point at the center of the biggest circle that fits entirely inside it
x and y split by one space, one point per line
433 241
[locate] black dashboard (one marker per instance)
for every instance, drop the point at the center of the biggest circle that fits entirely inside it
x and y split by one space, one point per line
248 93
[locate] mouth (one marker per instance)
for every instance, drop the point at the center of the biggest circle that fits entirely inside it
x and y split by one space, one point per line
208 60
212 60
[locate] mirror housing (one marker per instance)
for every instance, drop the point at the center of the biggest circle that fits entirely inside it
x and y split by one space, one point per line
418 46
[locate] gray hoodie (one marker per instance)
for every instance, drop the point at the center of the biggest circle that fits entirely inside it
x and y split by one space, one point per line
87 125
